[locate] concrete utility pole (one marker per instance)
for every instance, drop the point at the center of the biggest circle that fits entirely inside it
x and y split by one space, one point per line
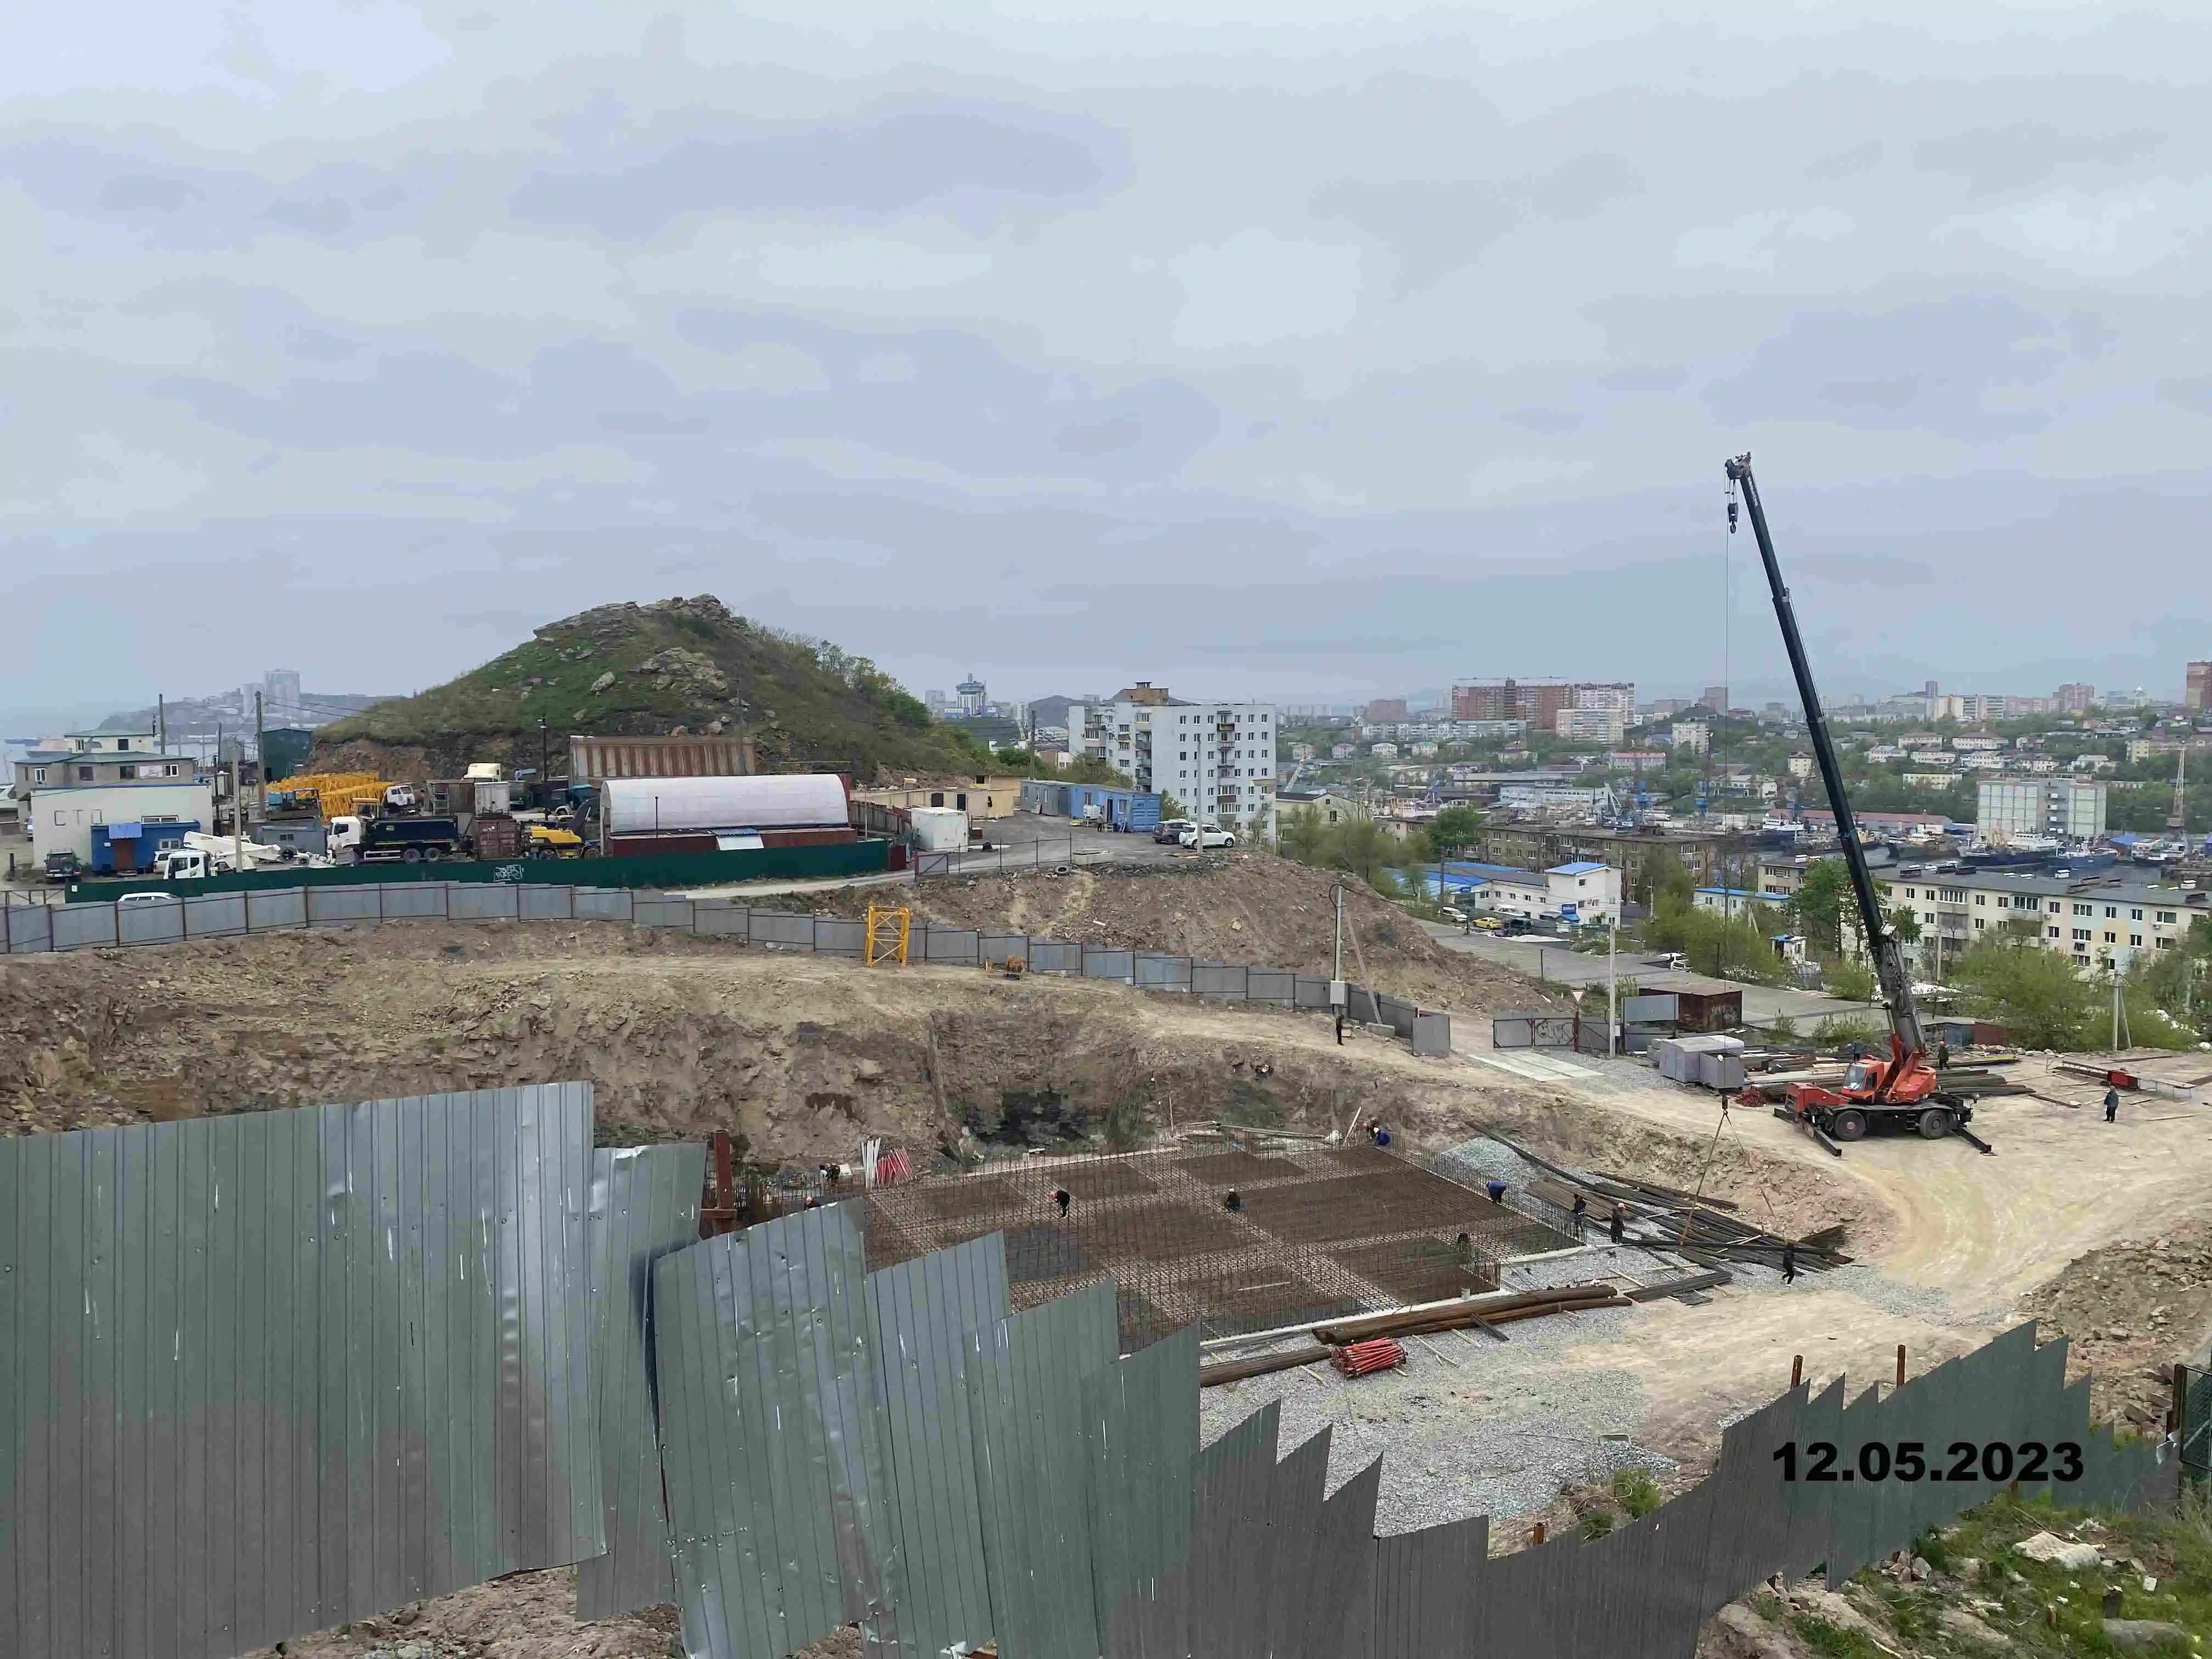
161 722
260 750
237 816
1337 971
1613 987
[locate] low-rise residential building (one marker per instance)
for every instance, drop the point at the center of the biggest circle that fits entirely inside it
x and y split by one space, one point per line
1736 903
1599 724
1383 751
1574 895
1800 766
2007 809
2093 918
1689 737
1327 805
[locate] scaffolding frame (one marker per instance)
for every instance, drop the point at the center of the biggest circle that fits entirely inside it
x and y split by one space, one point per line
888 930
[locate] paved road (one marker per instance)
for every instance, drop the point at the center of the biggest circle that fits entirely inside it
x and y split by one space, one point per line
1559 965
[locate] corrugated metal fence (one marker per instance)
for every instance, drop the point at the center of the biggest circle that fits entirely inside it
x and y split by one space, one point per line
265 1373
274 1372
30 928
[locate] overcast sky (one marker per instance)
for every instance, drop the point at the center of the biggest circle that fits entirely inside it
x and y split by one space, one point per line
1255 347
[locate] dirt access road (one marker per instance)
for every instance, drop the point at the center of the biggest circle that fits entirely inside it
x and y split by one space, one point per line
1962 1243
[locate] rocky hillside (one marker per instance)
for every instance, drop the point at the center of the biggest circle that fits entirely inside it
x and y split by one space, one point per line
649 669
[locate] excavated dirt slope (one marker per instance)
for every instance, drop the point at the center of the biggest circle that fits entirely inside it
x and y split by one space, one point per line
1246 907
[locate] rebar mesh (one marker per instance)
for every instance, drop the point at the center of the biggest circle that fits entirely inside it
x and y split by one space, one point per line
1318 1232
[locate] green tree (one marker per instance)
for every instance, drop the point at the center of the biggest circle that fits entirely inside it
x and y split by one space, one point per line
1171 808
1905 924
1853 981
2039 996
1663 879
1302 835
1453 832
1363 849
1817 909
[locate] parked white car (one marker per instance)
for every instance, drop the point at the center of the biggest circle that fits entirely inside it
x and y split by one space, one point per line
1203 839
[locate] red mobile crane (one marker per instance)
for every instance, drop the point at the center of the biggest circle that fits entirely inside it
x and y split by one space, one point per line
1902 1092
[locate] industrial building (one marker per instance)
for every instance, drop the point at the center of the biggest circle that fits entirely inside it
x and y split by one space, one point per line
1576 895
103 822
1217 759
2010 809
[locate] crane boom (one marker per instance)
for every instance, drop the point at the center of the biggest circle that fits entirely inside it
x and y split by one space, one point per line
1887 949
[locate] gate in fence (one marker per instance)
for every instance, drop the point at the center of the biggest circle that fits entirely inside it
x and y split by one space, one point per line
2194 1389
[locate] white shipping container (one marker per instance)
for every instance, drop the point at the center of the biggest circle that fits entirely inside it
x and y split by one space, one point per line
798 801
939 829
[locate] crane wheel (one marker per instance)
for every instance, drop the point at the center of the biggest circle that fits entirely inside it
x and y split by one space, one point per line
1935 1123
1848 1125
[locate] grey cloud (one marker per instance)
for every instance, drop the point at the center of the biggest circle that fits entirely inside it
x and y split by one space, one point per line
1930 367
139 194
1437 227
1658 377
968 164
1866 570
2014 157
2193 394
1845 162
1101 437
192 208
1551 423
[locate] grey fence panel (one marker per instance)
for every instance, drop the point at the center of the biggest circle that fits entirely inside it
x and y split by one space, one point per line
1300 1480
1217 979
149 923
1426 1583
603 903
1109 965
1235 1482
1652 1008
1750 1527
1360 1005
1157 972
28 926
921 1317
547 903
1269 985
328 905
770 1530
296 1368
833 936
1026 1385
958 945
1340 1595
415 900
77 926
285 907
1051 955
659 911
780 928
718 919
1431 1034
998 947
644 1204
1142 1418
1398 1016
1310 992
484 901
214 913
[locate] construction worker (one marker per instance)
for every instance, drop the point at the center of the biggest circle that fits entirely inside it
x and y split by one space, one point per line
1231 1200
1789 1262
1581 1210
1464 1247
1620 1223
1063 1198
2111 1105
1339 1028
1942 1055
1495 1188
1381 1134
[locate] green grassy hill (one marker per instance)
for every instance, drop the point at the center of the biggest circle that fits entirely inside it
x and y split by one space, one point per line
649 669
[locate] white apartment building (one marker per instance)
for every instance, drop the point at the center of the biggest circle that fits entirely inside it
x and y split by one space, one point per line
1691 736
1573 894
1217 759
1598 725
2006 809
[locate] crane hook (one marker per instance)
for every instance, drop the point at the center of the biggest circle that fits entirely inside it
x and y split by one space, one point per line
1731 502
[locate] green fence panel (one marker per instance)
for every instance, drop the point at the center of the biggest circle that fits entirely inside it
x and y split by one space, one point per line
858 858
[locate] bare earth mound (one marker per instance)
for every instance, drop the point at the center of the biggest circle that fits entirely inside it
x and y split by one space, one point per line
1246 907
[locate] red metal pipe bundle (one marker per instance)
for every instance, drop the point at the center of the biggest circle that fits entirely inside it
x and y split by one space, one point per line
1379 1354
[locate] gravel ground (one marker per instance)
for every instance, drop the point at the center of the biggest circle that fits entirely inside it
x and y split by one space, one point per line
1865 1280
1468 1427
1483 1158
1587 1267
